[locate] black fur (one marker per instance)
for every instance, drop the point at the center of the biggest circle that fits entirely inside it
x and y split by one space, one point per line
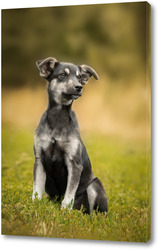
59 124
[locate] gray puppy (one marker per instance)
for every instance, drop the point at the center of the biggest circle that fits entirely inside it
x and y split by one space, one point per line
62 165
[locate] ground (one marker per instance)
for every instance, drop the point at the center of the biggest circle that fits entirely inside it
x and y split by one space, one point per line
123 165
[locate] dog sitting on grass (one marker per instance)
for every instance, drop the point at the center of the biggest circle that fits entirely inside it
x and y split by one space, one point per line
62 166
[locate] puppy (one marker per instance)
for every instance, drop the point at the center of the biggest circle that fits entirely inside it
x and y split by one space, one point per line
62 166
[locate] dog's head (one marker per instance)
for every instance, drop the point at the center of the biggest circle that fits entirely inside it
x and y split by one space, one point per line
66 80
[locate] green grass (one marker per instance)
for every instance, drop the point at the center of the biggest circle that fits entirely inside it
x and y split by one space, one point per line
122 165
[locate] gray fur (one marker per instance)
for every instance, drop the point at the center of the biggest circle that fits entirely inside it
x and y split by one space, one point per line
62 165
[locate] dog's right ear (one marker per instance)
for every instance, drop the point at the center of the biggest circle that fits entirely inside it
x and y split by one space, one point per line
46 66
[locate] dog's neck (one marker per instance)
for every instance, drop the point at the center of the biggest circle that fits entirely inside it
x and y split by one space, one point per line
53 105
59 108
59 116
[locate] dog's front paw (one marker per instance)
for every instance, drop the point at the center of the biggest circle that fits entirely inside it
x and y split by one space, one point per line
67 204
35 195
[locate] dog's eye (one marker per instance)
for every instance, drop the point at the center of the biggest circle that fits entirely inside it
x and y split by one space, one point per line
63 74
79 76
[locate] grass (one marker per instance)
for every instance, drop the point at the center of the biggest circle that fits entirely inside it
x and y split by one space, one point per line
122 165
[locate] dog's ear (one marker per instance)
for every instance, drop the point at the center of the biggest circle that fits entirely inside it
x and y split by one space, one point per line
86 73
46 66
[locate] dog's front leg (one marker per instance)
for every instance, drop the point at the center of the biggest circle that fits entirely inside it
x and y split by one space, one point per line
39 180
74 173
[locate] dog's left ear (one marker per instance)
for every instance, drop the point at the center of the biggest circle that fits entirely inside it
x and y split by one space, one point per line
46 66
86 73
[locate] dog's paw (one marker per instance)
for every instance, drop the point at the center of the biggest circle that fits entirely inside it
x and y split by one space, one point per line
36 196
67 204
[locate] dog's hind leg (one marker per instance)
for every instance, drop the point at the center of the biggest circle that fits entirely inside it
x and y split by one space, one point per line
39 180
82 201
97 197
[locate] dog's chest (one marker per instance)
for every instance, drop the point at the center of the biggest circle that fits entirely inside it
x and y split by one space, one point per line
62 144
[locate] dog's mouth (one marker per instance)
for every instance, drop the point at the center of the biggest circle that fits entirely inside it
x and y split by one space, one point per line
72 95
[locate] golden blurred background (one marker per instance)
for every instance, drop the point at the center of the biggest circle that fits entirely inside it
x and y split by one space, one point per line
114 39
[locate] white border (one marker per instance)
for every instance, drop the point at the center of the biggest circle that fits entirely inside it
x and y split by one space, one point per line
12 242
39 3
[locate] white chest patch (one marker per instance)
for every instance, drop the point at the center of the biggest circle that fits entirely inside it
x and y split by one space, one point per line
42 141
72 147
69 144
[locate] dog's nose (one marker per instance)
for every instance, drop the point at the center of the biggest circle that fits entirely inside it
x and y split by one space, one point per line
78 88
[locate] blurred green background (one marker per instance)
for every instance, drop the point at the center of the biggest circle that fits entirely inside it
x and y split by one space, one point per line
113 115
111 38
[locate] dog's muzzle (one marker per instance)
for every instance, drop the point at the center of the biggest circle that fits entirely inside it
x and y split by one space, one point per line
73 94
70 96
